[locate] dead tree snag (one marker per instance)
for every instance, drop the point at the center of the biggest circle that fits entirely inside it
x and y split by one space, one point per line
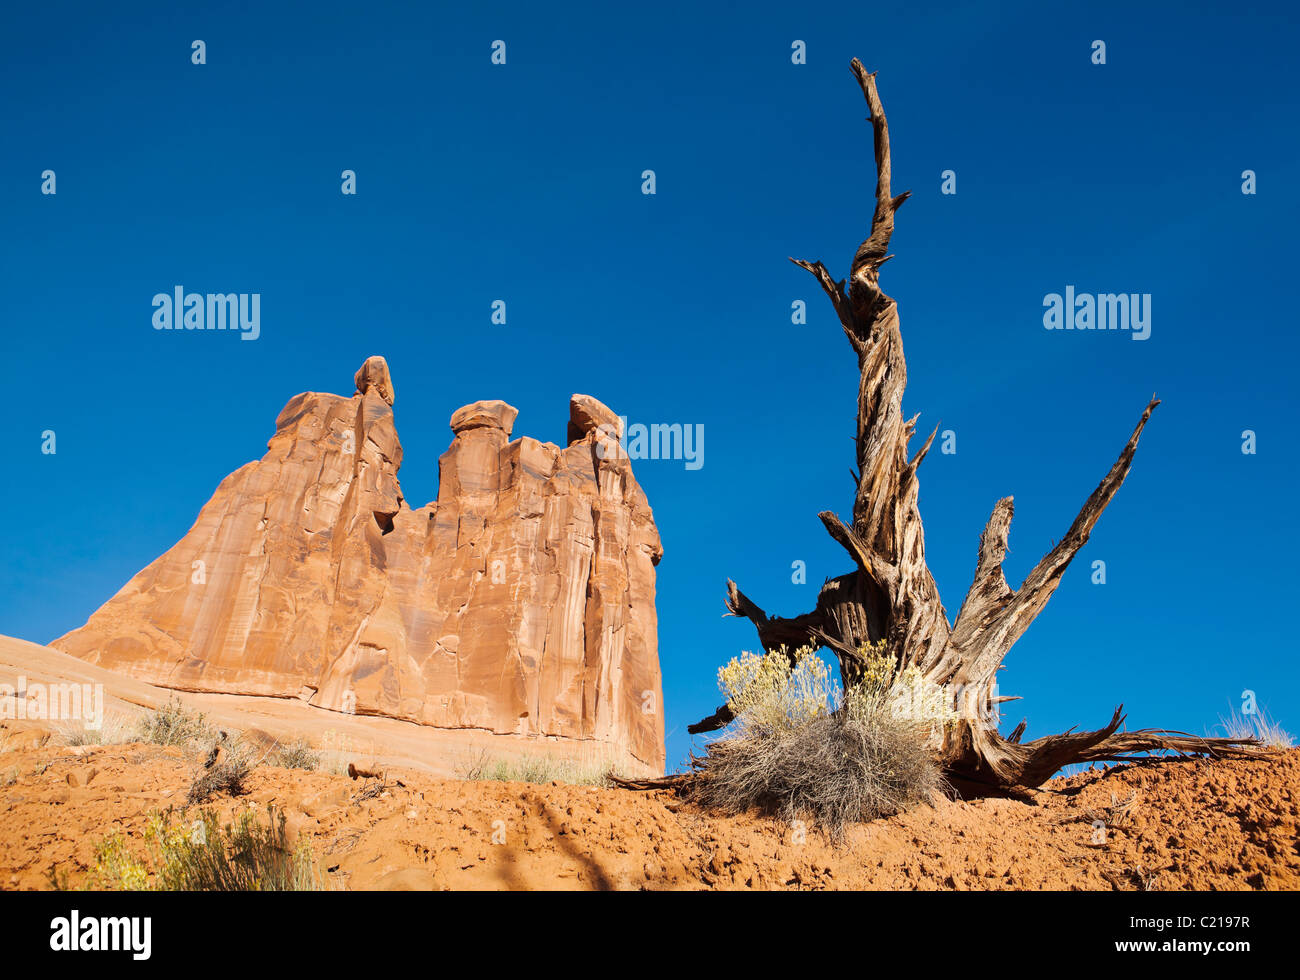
890 594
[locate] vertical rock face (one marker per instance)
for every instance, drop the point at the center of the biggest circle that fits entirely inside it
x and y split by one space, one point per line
521 602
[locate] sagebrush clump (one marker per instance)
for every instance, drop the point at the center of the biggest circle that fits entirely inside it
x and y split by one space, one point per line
197 854
802 749
298 754
226 774
175 724
769 692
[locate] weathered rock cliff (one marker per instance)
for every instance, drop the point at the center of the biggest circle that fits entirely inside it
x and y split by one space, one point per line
521 602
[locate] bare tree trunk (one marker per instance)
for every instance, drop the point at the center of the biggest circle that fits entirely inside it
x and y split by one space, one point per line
891 595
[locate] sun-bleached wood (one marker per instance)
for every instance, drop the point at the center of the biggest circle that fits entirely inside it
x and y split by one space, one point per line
891 595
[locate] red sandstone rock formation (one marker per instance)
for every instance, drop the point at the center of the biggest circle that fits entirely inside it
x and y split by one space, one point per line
521 602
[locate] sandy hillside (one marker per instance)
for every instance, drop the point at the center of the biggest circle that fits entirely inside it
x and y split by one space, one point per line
1179 825
1194 824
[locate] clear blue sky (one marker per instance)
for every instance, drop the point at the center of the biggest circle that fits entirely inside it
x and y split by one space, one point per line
522 182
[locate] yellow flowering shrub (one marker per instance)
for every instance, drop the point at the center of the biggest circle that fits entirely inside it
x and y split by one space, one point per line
780 690
116 868
768 691
197 853
906 694
802 749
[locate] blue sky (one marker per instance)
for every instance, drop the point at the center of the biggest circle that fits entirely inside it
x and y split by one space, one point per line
522 182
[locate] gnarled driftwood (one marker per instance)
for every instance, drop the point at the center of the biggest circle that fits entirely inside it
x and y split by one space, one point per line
891 595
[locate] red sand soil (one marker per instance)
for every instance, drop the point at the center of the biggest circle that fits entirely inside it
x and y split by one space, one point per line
1173 825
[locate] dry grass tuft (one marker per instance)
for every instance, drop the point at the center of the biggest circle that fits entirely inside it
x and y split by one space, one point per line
594 770
112 731
298 754
837 769
1257 724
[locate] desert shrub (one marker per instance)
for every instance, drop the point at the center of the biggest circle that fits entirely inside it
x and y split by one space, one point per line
298 754
905 694
835 770
770 692
115 867
1257 724
800 749
225 770
181 854
175 724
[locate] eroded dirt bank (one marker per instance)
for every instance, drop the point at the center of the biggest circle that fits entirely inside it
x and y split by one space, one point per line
1182 825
